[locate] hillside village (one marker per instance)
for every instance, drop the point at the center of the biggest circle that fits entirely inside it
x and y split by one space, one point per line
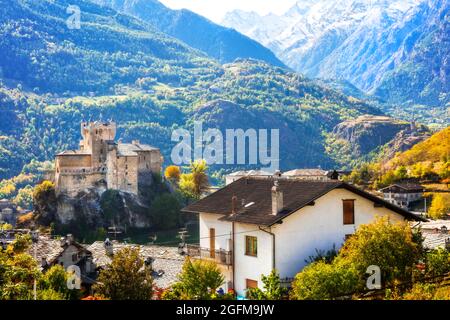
349 199
247 228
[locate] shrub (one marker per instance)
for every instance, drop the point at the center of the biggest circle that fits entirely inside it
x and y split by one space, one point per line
320 281
437 262
198 280
389 246
272 288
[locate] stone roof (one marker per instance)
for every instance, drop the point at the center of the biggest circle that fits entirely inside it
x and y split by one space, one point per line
51 248
73 153
434 224
254 201
407 186
132 149
435 239
305 173
167 259
249 173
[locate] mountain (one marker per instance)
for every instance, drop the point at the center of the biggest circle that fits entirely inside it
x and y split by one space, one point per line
41 53
433 153
119 67
221 43
379 46
426 72
367 138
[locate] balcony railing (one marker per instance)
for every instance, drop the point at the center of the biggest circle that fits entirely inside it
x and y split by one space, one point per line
221 256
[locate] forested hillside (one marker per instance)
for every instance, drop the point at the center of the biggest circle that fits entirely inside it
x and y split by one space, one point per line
116 67
221 43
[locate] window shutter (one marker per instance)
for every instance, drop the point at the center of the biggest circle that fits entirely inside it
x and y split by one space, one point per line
349 211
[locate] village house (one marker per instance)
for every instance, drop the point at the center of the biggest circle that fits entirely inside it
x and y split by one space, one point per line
257 224
229 178
100 161
65 251
402 194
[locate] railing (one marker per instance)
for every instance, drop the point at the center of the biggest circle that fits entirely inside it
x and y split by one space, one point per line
221 256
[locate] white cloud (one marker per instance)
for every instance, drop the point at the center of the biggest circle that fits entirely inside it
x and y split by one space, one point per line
216 9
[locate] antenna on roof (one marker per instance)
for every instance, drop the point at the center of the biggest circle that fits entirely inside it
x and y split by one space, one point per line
182 235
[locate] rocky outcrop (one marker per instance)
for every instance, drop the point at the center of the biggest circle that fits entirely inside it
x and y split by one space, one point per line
86 208
367 133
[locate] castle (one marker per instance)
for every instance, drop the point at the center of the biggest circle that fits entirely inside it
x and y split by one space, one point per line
101 162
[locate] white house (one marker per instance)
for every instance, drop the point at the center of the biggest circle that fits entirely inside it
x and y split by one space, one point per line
256 224
229 178
403 194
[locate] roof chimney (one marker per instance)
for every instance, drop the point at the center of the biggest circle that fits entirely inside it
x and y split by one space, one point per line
277 198
108 247
234 200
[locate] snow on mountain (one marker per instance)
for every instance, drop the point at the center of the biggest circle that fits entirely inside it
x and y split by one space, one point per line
334 38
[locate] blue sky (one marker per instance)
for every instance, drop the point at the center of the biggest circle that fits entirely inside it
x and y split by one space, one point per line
216 9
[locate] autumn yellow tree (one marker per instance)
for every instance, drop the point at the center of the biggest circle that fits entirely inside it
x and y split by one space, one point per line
440 206
172 173
196 181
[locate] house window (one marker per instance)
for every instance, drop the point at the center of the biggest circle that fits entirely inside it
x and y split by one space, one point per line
74 257
251 246
349 211
249 283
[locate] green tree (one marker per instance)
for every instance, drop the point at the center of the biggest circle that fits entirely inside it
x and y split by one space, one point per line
112 205
321 281
24 197
390 246
17 270
437 262
272 288
126 277
198 280
165 211
401 173
53 285
44 202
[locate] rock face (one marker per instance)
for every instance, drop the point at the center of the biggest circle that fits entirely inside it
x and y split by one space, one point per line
85 209
371 136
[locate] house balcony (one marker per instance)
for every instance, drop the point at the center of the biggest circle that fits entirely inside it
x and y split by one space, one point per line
221 256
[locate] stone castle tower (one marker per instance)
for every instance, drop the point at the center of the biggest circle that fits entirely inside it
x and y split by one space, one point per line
102 162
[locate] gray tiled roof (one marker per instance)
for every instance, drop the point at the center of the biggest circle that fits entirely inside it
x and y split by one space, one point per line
130 149
435 240
167 259
305 172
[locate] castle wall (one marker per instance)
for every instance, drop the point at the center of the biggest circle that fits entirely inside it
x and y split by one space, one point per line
127 174
73 161
124 167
